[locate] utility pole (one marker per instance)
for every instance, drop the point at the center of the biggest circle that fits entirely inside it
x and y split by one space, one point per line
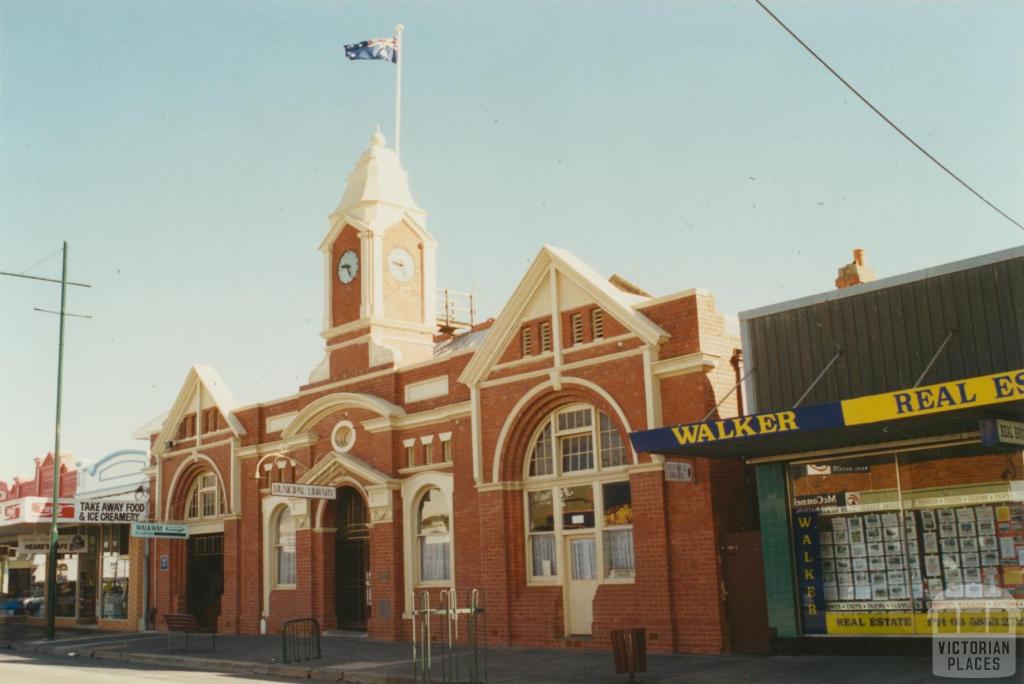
51 564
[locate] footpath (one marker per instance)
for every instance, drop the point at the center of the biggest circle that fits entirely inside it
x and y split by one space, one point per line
349 658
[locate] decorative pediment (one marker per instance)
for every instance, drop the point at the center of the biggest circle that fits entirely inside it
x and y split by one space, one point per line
202 389
335 467
557 281
315 411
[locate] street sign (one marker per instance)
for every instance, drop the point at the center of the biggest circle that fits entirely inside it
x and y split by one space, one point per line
1001 432
678 471
302 491
159 530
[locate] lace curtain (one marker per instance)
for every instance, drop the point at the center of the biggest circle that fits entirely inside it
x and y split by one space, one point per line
543 548
584 559
434 559
618 553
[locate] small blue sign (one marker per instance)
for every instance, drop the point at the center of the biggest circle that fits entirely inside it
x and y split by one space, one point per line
165 561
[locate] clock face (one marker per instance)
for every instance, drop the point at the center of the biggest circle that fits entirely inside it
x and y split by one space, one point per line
400 264
348 266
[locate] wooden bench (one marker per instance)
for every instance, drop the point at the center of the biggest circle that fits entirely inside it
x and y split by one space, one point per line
187 623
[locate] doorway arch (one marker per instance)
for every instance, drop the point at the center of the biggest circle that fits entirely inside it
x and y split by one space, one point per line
351 560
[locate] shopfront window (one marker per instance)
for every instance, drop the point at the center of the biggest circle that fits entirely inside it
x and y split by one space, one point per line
115 569
879 540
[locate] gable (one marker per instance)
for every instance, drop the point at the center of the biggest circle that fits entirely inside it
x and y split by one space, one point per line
556 280
202 392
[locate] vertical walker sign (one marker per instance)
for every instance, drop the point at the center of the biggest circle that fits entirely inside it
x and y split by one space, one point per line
808 571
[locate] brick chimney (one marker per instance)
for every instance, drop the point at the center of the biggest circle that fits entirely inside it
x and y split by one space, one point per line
856 272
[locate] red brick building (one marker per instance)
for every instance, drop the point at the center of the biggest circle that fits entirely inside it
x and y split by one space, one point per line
494 458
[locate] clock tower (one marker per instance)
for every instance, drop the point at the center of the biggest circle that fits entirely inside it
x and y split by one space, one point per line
379 271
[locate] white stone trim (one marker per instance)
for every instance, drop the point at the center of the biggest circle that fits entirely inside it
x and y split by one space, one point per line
536 390
698 362
185 465
413 420
444 436
508 321
672 297
426 389
340 448
280 421
281 445
652 388
411 442
427 439
412 489
597 360
271 507
324 406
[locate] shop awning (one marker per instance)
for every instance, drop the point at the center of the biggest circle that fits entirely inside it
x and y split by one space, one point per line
949 408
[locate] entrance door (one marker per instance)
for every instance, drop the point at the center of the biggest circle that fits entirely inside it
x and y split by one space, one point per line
352 561
581 583
745 605
205 581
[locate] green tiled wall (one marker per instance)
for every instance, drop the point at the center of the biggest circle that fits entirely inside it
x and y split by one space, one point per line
775 544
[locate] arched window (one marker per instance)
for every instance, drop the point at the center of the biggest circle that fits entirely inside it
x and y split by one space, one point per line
204 499
433 531
576 487
570 439
284 548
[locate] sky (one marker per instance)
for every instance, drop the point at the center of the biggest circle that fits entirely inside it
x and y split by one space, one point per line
190 151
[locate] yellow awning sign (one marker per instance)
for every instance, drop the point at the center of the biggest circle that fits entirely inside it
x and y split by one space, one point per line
944 396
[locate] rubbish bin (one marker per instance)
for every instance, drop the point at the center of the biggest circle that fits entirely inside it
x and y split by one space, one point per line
630 649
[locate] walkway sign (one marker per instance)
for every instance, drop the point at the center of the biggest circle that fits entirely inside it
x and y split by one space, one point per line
303 491
159 530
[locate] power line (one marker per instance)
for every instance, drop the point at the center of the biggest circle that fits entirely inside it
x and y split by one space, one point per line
875 109
41 261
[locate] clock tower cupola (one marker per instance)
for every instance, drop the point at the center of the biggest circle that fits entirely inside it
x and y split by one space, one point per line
380 264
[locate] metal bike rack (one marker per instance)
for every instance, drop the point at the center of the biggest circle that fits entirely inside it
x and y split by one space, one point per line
300 640
462 650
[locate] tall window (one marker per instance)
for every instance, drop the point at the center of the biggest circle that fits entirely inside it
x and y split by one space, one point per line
284 547
576 486
204 500
433 529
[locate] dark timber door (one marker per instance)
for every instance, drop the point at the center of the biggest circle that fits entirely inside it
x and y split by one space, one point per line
205 577
745 606
352 560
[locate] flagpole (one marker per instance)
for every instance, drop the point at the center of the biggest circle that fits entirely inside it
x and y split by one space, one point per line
398 90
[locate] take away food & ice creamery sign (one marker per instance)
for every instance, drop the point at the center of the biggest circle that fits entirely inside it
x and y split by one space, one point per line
984 390
302 491
110 511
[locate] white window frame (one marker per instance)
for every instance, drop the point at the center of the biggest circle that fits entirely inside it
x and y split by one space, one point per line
418 542
595 478
196 494
276 553
412 489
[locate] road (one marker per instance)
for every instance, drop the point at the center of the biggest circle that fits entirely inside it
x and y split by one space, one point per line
24 668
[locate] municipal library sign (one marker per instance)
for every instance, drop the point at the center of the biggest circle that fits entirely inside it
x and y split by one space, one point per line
984 390
302 491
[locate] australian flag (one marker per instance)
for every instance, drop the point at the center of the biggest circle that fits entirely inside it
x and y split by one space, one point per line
376 48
